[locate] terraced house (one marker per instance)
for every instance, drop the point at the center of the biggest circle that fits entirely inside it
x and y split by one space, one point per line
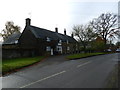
38 41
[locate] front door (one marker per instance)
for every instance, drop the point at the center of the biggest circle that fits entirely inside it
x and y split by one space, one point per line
51 51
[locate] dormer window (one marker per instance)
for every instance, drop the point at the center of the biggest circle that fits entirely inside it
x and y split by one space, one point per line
48 39
60 42
16 41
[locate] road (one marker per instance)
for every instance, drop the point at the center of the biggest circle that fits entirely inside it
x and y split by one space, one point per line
56 72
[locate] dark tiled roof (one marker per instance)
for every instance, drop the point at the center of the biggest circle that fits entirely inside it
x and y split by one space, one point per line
11 39
43 33
40 33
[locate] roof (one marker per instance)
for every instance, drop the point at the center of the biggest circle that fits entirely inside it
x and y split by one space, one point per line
40 33
43 33
11 39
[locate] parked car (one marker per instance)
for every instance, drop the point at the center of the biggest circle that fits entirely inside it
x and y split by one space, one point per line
109 50
118 50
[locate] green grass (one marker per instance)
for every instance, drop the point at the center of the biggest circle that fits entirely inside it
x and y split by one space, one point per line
0 66
82 55
12 64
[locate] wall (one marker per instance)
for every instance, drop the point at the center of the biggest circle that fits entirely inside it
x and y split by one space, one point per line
17 53
27 39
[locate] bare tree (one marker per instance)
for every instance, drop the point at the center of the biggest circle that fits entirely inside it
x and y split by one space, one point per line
105 26
84 34
10 28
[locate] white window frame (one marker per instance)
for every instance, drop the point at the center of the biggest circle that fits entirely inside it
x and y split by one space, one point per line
67 42
60 42
48 39
59 48
16 41
48 48
68 48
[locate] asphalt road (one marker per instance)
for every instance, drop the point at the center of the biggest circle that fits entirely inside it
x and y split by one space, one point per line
56 72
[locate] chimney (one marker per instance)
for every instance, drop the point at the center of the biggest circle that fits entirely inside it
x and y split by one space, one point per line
64 31
28 21
56 29
72 35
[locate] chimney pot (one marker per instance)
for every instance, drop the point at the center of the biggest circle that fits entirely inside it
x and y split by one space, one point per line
72 35
64 31
28 21
56 29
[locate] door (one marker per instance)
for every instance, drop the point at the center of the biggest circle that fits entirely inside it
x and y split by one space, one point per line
51 51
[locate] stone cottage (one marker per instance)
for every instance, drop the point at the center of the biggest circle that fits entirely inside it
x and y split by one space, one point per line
34 41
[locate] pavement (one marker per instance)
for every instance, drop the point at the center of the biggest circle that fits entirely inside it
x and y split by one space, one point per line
57 72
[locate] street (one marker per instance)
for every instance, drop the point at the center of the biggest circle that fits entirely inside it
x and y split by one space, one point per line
57 72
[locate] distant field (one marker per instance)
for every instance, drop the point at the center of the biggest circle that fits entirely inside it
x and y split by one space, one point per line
12 64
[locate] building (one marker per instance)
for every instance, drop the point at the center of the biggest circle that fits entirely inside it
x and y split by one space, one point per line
34 41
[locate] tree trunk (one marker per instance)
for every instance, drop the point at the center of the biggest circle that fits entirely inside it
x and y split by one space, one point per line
84 48
105 43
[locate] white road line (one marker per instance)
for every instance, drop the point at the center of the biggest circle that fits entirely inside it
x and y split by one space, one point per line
83 64
43 79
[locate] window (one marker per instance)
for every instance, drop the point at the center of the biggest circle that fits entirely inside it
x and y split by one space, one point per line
68 48
67 42
59 48
48 39
60 42
48 48
16 41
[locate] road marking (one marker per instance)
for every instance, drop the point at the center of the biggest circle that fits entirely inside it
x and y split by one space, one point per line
83 64
43 79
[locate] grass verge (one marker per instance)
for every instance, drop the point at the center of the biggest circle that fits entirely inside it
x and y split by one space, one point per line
83 55
13 64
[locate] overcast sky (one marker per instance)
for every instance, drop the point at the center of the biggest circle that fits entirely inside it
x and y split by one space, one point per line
51 13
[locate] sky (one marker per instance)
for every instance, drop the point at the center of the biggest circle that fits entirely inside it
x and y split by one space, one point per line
49 14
